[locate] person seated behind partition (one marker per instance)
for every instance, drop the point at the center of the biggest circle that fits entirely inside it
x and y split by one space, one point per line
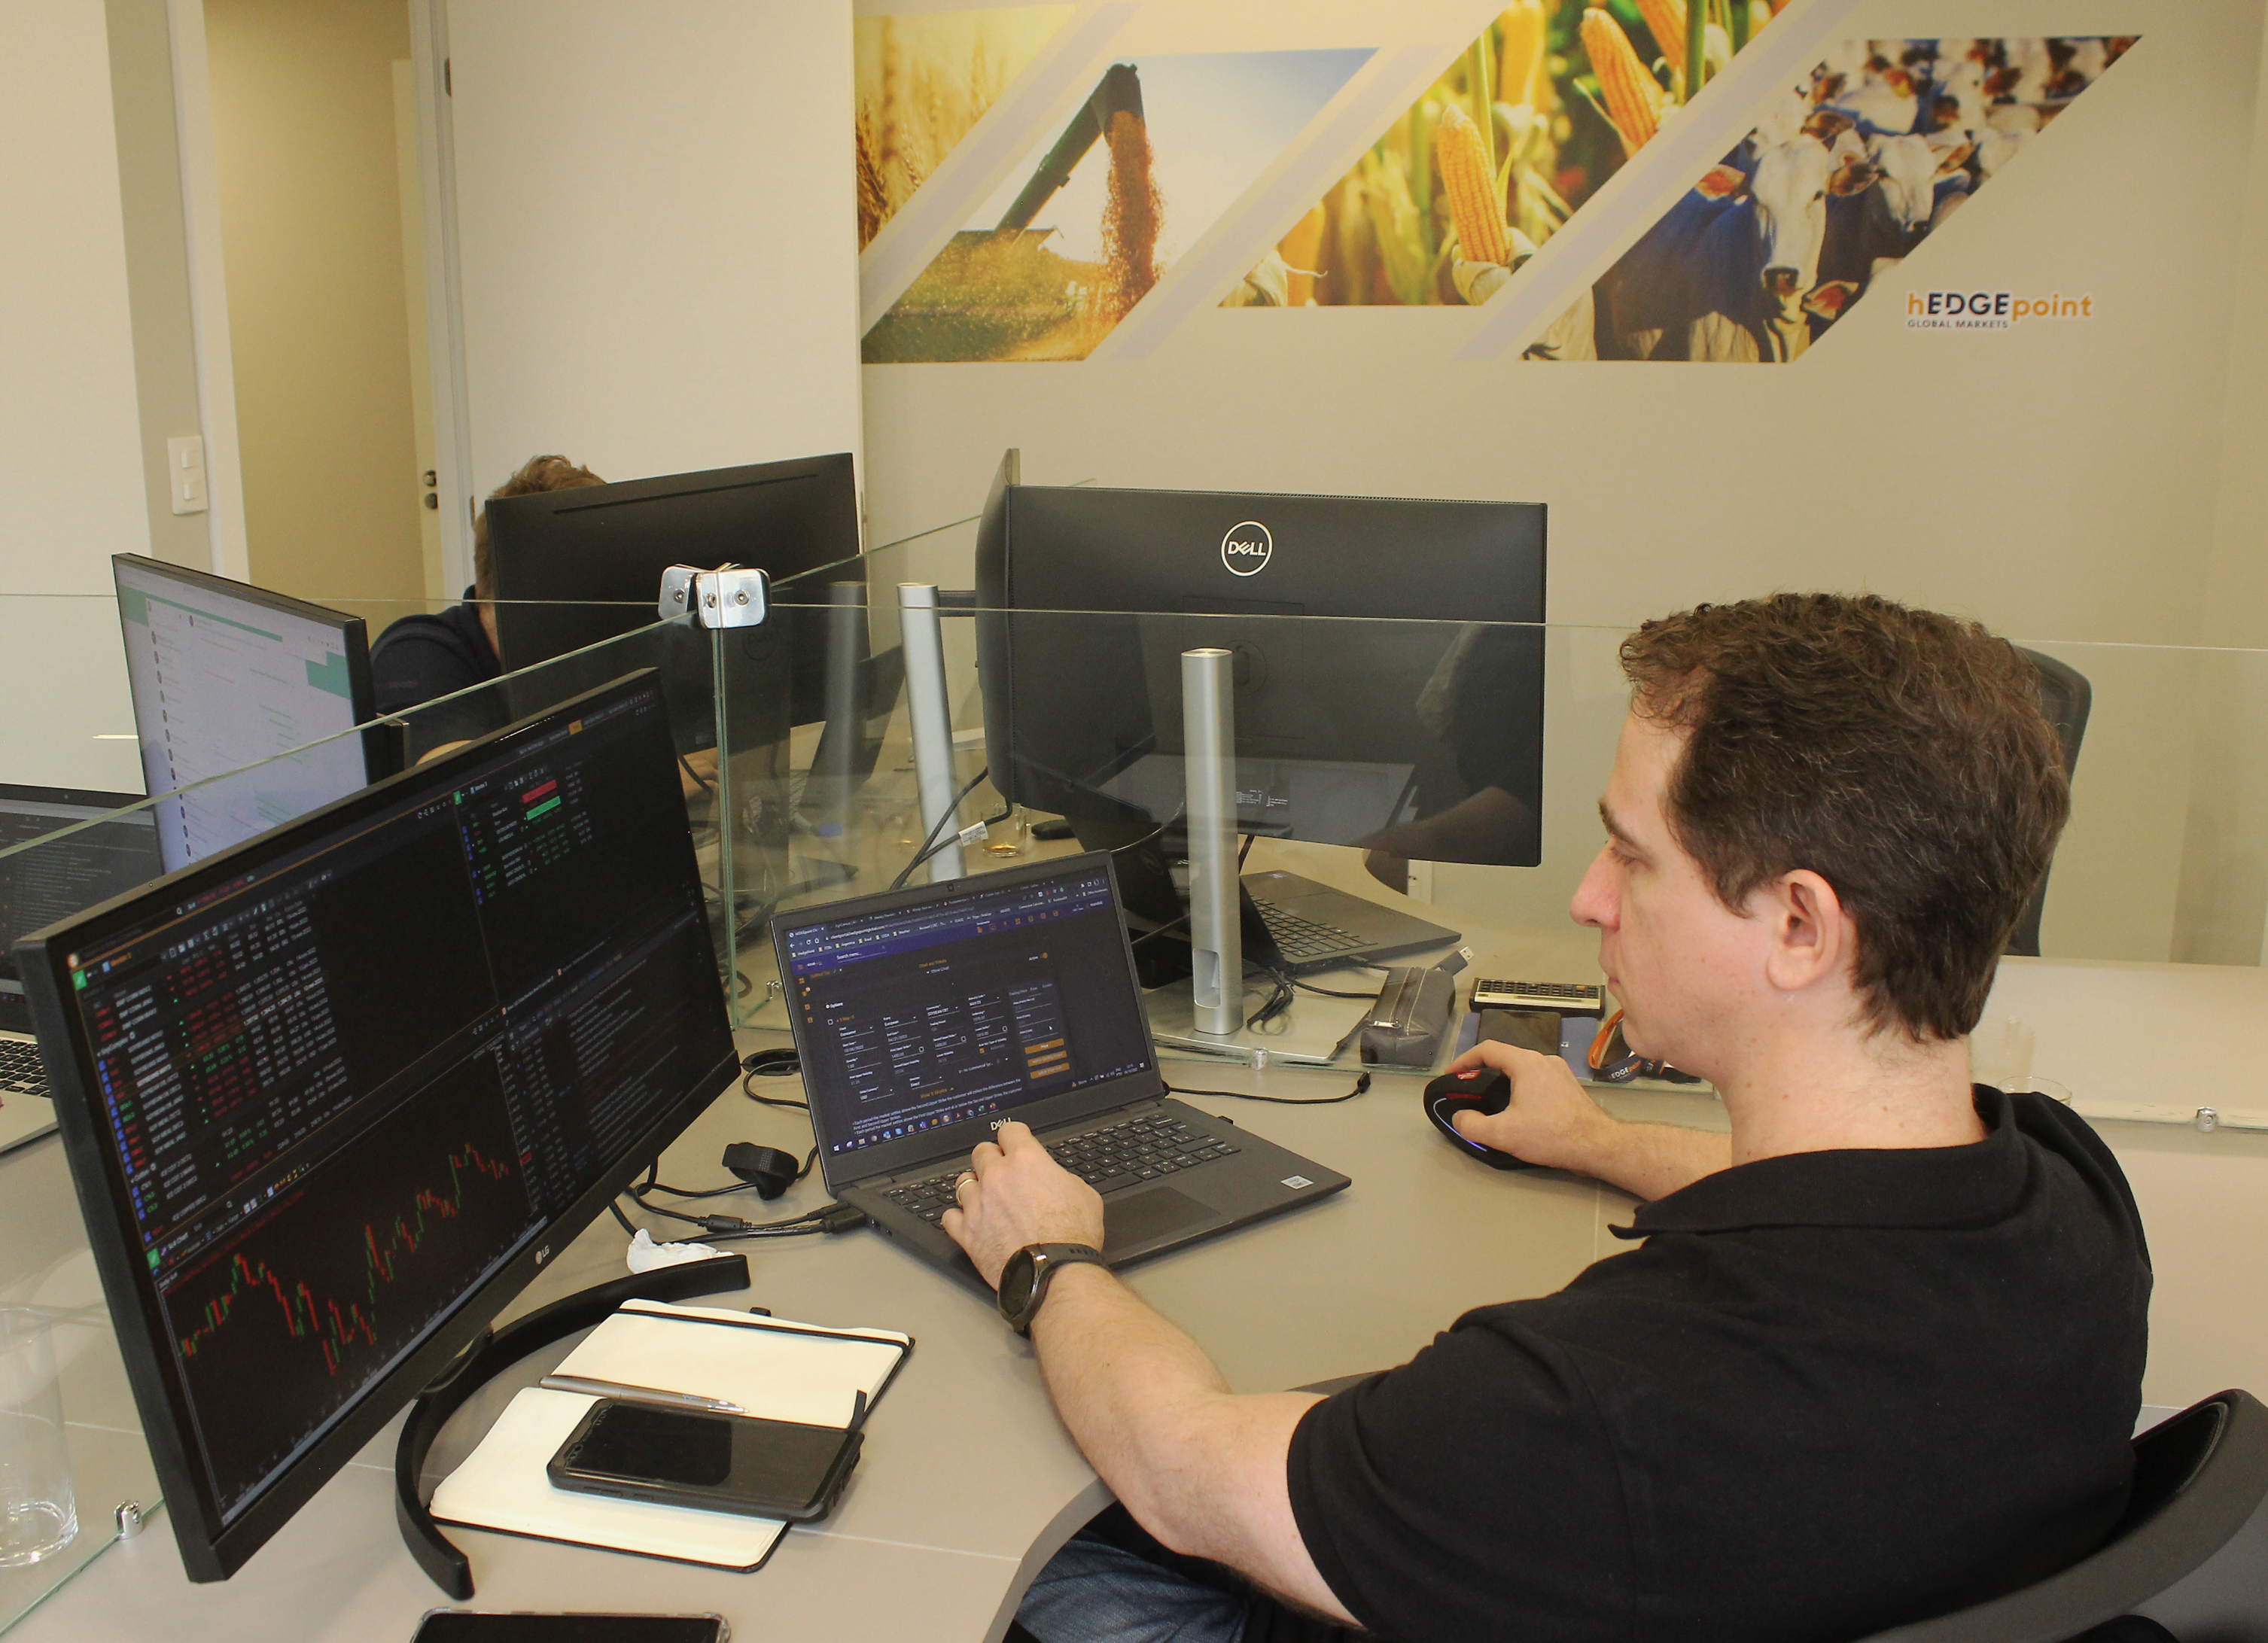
420 658
1878 1352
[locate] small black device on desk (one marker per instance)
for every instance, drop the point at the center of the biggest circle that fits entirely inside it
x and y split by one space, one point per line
466 1625
717 1462
1476 1089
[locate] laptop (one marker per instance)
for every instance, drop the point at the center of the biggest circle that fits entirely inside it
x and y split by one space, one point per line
925 1018
37 887
1315 927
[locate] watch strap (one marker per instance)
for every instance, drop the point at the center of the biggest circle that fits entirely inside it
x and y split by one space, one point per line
1046 1258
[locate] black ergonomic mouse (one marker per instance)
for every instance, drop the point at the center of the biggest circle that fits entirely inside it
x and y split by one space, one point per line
1479 1089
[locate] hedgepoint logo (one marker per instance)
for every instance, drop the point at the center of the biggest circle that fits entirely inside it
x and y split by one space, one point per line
1247 549
1989 310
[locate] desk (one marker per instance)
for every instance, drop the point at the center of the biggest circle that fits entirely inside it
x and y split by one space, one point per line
968 1482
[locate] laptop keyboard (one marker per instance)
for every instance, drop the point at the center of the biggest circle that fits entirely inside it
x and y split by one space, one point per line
1300 940
1124 1155
22 1072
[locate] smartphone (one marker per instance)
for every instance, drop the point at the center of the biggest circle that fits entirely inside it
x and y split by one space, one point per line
463 1625
720 1462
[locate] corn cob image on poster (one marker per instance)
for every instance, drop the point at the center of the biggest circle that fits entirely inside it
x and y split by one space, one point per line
923 82
1509 143
1091 216
1842 177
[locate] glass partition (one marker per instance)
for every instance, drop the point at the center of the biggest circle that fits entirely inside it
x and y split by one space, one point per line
2161 879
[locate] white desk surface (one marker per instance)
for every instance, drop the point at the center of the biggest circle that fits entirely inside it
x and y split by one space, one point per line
968 1482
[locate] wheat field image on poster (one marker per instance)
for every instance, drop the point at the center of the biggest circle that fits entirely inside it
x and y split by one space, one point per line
1546 104
1844 175
1093 215
924 80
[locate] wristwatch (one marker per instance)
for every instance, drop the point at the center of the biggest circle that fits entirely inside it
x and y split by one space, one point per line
1024 1280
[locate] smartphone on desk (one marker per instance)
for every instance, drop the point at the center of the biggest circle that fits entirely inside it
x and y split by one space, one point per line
464 1625
740 1464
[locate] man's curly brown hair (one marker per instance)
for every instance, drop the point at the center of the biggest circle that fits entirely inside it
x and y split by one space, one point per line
538 473
1901 755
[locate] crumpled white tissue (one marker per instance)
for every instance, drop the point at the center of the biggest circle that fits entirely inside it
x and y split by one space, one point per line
645 1256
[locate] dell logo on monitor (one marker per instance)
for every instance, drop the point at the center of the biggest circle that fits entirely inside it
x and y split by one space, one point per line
1246 549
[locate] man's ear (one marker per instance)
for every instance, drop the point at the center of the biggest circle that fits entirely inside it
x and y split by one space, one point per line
1812 937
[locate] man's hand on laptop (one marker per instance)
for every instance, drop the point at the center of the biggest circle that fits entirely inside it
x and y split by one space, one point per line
1014 1195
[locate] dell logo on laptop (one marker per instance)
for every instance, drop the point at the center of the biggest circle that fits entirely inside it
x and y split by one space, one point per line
1246 549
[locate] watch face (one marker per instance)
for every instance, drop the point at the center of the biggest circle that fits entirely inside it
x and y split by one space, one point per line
1016 1280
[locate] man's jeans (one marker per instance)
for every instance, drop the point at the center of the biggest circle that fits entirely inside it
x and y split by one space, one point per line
1093 1592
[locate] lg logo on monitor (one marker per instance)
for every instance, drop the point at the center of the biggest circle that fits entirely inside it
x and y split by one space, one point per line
1246 549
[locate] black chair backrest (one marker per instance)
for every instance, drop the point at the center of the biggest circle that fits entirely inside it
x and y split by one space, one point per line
2198 1479
2066 696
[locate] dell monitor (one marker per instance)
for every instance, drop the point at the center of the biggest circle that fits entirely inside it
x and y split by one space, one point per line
225 677
574 568
1429 708
332 1097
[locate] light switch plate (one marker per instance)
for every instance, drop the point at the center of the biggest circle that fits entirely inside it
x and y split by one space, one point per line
185 473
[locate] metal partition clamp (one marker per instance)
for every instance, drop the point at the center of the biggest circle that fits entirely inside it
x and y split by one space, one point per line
923 641
731 596
1216 934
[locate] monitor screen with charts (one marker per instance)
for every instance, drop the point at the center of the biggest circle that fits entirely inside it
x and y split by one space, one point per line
965 1009
226 676
332 1097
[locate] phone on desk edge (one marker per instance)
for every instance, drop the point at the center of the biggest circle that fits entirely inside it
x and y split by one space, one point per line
464 1626
742 1464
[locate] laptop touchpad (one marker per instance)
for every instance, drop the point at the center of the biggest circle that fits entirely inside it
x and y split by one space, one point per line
1143 1216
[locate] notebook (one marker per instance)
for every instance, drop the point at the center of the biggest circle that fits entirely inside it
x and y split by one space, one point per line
770 1366
925 1018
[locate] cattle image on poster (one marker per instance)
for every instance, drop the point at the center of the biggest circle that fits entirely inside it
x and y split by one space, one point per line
1842 177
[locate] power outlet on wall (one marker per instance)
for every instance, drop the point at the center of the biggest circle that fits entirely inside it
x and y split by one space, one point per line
185 473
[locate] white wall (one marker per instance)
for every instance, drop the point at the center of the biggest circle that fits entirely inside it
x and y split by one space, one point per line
70 459
656 209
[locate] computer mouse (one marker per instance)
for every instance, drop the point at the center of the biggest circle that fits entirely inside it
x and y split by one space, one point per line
1476 1089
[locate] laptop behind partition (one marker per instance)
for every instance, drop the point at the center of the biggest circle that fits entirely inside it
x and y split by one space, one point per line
38 886
925 1018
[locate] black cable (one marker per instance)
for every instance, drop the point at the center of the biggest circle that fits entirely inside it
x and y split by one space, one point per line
1326 992
932 842
771 1064
697 775
1360 1084
616 1211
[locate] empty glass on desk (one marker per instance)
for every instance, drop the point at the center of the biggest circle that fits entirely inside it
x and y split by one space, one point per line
38 1517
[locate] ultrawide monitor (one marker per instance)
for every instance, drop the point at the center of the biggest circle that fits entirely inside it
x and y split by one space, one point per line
225 676
332 1097
1428 710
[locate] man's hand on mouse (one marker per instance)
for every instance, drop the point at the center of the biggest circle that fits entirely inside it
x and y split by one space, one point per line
1013 1195
1550 1119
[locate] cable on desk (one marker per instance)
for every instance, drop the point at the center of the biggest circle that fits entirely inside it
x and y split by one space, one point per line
1326 992
931 843
783 1063
696 776
1360 1084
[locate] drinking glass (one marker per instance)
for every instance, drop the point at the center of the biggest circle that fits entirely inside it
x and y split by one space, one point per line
37 1516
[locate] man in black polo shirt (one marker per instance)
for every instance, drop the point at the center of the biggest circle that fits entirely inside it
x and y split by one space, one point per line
1876 1355
420 658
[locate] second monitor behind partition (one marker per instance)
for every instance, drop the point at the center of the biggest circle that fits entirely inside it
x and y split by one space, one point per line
1421 723
225 676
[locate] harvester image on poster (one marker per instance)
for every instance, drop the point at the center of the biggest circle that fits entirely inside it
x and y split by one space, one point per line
1843 177
1089 221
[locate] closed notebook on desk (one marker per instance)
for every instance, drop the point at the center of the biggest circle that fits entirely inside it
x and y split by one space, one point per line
770 1366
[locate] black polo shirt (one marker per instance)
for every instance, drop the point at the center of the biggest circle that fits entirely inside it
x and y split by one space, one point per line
421 657
1829 1393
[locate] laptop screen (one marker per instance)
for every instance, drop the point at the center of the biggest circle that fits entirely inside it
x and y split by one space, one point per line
965 1001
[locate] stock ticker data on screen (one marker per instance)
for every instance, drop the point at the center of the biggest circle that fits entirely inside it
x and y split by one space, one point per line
348 1087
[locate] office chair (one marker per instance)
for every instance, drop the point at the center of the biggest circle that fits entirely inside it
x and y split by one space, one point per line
2066 696
2188 1563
